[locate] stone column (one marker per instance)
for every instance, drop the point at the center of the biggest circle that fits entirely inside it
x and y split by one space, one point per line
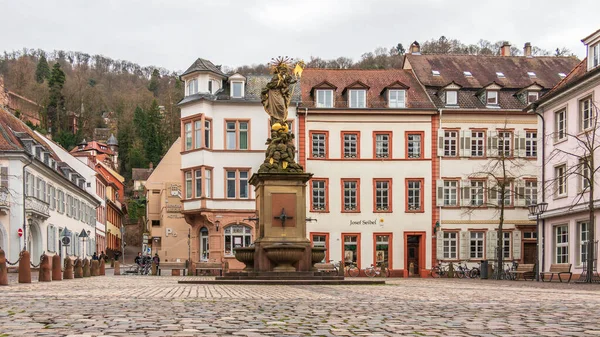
56 269
25 267
78 269
68 272
45 272
117 268
3 269
95 267
86 268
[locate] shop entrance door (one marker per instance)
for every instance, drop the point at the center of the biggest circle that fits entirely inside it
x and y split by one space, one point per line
412 244
529 252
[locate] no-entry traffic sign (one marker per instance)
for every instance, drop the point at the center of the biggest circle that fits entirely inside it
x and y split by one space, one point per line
20 232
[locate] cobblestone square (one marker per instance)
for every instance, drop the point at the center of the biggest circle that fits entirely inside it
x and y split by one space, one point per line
159 306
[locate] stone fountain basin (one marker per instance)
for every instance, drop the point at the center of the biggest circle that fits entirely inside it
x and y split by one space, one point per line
246 256
284 255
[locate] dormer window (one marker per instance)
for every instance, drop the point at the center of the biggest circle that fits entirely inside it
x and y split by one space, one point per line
210 86
532 96
397 98
324 98
192 87
491 98
595 55
237 89
452 97
357 98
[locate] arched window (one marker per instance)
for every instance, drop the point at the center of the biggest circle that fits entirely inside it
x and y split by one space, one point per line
204 246
237 236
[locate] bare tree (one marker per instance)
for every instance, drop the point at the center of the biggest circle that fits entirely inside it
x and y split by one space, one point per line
580 154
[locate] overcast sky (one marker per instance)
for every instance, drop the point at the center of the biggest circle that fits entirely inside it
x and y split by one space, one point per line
173 33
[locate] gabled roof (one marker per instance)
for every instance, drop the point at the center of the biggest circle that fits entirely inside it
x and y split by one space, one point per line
394 85
93 145
140 174
576 76
375 79
484 68
203 65
322 85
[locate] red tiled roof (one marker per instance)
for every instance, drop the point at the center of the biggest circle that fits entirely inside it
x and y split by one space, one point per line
375 80
484 68
9 124
94 145
577 73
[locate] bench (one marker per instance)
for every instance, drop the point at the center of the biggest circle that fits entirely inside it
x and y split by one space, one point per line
175 267
209 266
558 269
325 267
524 270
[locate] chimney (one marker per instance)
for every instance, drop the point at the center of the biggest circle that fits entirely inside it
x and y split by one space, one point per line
527 49
415 48
505 49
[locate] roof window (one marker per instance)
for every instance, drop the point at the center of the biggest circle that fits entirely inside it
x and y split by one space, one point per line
467 74
562 75
500 74
531 74
435 72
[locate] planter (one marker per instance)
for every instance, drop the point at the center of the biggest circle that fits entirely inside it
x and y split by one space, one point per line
246 256
317 255
284 256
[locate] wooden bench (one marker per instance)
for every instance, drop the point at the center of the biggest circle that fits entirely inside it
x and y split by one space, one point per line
175 267
524 270
209 266
325 267
558 269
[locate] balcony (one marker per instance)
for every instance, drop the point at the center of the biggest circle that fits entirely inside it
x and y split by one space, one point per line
37 207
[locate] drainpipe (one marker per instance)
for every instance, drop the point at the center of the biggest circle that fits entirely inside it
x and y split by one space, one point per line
24 198
543 185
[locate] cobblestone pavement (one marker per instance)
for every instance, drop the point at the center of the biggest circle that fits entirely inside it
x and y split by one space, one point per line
158 306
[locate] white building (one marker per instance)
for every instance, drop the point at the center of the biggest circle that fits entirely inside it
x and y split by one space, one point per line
84 167
570 115
224 129
365 135
480 101
41 195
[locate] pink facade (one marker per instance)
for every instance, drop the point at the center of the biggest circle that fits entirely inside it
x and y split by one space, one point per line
570 113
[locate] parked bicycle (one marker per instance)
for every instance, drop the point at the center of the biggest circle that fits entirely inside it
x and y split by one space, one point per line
462 271
439 270
505 273
350 268
379 269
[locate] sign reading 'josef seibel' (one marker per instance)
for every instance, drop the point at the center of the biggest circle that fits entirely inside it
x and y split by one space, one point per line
364 222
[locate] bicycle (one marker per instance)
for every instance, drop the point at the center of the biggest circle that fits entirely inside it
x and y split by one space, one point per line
439 271
351 269
462 271
475 272
377 270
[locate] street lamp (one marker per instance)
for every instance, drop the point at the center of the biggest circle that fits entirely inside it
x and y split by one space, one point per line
537 210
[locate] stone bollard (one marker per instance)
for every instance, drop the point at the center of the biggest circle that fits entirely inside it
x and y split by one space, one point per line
68 272
154 268
25 267
102 270
3 269
117 268
451 270
86 268
45 273
56 270
95 267
112 263
78 269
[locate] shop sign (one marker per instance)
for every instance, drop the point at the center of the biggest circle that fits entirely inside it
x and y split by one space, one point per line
173 208
364 222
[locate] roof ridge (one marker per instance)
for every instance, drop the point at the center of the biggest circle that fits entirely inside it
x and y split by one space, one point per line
498 56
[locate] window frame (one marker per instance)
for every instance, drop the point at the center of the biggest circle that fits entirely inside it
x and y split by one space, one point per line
447 255
532 93
350 96
478 143
501 144
232 235
581 243
233 84
560 117
531 144
560 180
507 251
325 105
313 133
198 180
312 236
189 184
449 188
479 243
237 180
192 83
191 134
531 192
509 191
396 103
390 248
390 203
325 196
590 110
343 145
562 245
421 190
358 248
407 141
479 191
237 132
343 182
384 156
446 100
447 142
488 97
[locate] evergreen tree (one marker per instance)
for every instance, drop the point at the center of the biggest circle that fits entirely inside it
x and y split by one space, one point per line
153 145
154 82
56 112
42 72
